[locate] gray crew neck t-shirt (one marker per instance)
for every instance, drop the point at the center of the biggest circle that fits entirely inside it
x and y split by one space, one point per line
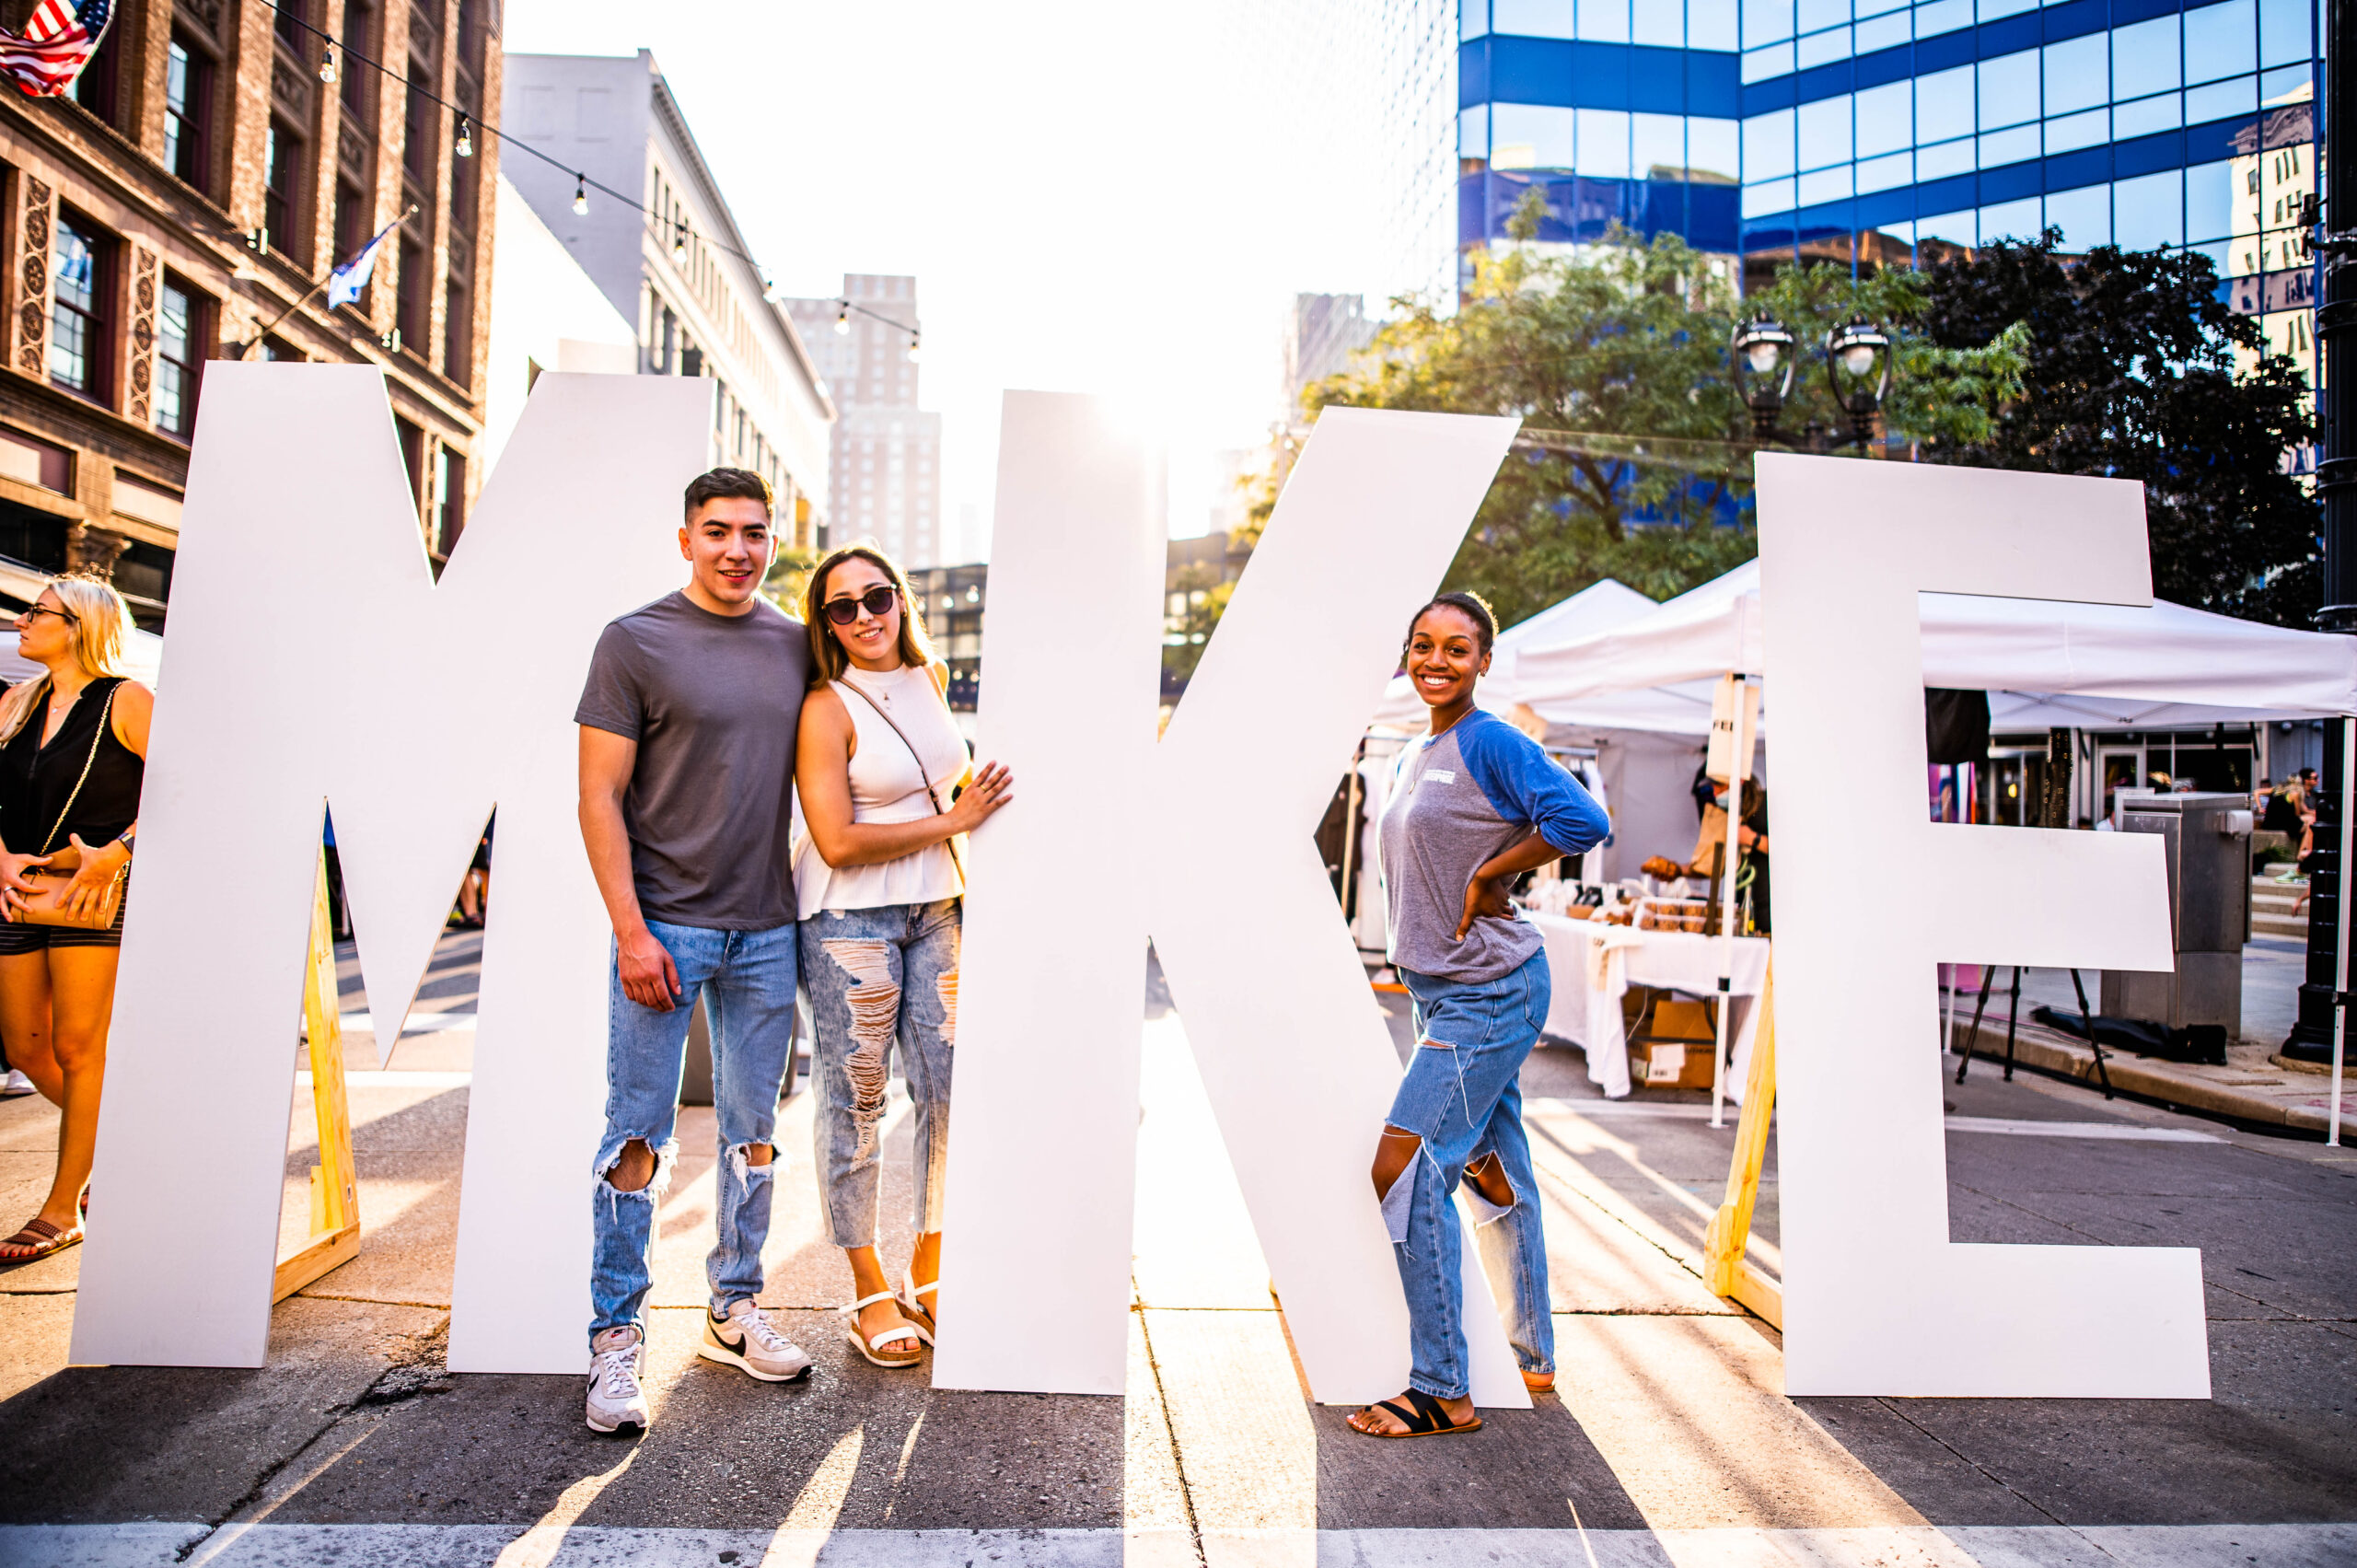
714 703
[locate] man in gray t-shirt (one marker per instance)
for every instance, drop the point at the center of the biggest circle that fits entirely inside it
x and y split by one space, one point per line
688 731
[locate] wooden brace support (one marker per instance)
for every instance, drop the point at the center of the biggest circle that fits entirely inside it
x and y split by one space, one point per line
335 1200
1727 1272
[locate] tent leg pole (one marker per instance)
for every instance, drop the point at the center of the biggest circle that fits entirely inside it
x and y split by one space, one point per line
2341 965
2013 1018
1988 973
2087 1026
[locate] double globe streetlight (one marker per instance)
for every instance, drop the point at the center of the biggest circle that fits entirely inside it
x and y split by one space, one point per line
1857 368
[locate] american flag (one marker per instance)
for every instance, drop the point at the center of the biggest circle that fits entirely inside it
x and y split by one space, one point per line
55 45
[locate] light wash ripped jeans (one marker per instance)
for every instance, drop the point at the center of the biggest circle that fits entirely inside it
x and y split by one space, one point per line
1462 1095
876 977
748 981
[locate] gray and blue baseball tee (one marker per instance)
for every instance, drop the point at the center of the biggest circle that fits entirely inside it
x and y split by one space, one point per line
1461 798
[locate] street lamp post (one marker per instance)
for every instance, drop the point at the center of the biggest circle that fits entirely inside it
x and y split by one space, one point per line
1857 367
1763 356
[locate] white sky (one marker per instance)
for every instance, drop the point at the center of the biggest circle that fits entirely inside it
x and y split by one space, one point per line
1093 197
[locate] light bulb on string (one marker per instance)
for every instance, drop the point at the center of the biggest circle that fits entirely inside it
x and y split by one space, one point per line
912 348
680 243
580 195
327 65
843 320
466 144
769 288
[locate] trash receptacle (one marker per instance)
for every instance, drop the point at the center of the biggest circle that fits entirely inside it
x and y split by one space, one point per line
2206 844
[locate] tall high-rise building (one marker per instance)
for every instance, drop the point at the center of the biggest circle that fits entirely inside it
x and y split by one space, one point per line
1322 331
1871 131
887 450
674 263
185 202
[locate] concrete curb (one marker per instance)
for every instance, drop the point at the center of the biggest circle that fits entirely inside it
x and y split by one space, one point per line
2249 1089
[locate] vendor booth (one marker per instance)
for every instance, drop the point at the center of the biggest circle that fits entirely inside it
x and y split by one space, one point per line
1636 694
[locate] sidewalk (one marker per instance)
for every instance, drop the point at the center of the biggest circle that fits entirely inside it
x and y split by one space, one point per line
1670 1441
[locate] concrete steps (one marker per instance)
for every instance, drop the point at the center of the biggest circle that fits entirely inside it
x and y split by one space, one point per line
2270 909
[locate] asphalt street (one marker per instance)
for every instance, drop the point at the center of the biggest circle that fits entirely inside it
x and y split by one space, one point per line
1669 1441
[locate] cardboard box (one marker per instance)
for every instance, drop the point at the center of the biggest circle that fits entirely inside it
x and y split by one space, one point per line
1670 1064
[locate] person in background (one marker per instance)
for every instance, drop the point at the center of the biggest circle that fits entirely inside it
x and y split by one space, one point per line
1475 804
687 723
880 877
73 755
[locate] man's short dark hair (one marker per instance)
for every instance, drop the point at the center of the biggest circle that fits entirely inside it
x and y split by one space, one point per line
738 484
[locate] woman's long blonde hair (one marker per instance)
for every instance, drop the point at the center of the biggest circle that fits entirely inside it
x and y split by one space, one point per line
102 628
827 660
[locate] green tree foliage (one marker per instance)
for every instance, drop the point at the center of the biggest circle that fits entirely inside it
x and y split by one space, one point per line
1625 348
2133 373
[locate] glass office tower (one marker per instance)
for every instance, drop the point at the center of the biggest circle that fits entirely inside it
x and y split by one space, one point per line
1876 131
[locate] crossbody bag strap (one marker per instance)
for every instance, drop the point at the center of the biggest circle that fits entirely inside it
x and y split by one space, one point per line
106 716
930 793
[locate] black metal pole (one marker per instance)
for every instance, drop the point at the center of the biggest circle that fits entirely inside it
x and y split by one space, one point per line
2311 1037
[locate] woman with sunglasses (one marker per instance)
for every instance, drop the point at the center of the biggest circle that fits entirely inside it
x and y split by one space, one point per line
73 750
1475 803
879 879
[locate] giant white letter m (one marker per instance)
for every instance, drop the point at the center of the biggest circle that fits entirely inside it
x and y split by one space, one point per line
314 661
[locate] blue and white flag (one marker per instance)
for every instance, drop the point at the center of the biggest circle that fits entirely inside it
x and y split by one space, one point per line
346 282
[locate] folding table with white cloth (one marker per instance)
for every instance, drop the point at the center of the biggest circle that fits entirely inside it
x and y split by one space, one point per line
1592 965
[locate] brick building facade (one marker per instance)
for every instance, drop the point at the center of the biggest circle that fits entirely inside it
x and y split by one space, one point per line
203 179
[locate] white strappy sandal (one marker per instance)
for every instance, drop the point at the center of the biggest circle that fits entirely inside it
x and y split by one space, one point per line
870 1346
919 1317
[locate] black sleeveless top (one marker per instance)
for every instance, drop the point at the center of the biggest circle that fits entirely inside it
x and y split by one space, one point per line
36 780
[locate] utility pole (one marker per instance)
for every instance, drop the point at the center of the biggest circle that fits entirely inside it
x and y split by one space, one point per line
2312 1035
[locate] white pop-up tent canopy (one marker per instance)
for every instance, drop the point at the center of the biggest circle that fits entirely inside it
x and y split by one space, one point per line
2043 662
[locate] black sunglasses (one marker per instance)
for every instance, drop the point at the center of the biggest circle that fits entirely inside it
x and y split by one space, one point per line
876 601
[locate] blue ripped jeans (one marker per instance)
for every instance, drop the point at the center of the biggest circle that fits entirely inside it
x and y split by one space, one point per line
748 981
880 978
1462 1095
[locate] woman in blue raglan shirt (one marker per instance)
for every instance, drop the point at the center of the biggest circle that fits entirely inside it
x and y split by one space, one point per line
1475 804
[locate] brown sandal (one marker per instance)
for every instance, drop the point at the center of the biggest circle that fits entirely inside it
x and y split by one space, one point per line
38 1239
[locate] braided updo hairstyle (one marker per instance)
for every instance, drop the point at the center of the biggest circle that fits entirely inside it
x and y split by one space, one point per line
1472 606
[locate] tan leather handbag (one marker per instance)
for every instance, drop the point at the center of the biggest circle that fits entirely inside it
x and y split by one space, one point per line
45 908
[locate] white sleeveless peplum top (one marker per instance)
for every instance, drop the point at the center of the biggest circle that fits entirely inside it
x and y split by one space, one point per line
887 786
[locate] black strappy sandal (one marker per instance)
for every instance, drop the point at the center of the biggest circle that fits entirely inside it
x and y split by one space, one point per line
1429 1419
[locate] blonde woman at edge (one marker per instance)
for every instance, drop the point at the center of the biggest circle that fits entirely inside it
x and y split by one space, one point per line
67 785
878 882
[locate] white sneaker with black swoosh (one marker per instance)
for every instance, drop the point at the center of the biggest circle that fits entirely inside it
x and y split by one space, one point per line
747 1341
615 1397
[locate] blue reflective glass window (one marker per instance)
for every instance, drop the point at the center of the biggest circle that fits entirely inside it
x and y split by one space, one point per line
1819 48
1947 157
1862 9
1886 119
1885 173
2221 101
2008 89
2084 216
2286 84
1604 21
2012 220
2078 74
1944 15
1776 60
1604 143
1530 135
1472 18
1473 132
1711 24
1991 10
1766 21
1808 15
1533 18
1884 32
1766 196
1662 25
2212 192
2148 213
1655 141
2000 147
1824 131
2219 40
2284 32
1957 228
1767 146
2144 58
1825 185
2145 116
1714 147
2087 129
1944 104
